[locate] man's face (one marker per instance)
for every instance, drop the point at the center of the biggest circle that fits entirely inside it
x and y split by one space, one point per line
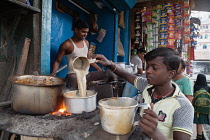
81 33
141 55
157 73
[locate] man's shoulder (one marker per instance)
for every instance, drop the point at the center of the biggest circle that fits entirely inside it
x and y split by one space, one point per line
66 44
135 57
185 78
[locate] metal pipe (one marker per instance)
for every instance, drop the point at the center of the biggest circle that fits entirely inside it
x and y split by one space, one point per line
79 7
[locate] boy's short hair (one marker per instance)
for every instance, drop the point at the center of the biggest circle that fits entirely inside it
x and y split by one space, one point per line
79 24
141 50
170 57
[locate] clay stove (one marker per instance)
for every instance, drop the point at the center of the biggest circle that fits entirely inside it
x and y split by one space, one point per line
75 127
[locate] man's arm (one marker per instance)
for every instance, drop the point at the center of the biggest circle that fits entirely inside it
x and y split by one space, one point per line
140 71
101 59
188 89
59 56
180 136
96 66
189 97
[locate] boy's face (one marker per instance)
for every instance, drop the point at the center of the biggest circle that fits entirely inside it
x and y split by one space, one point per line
81 33
157 73
180 70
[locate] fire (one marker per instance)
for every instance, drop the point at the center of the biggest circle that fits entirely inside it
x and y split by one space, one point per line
61 112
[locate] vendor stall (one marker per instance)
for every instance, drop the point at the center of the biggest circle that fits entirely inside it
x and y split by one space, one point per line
164 24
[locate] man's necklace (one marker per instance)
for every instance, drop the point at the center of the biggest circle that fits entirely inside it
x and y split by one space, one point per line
162 97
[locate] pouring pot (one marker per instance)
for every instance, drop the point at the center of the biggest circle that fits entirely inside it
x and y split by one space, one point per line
117 114
36 94
81 62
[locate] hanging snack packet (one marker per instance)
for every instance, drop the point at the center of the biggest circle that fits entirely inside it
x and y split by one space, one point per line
138 17
171 27
178 11
163 27
171 20
178 34
171 35
163 43
159 6
137 25
186 21
137 32
171 43
178 23
163 35
168 7
163 20
186 4
149 34
186 13
163 13
186 39
137 40
186 30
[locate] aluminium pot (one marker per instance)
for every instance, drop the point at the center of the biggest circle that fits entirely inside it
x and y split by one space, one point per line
117 114
76 104
36 94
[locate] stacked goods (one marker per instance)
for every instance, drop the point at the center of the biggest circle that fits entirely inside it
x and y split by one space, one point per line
166 25
189 68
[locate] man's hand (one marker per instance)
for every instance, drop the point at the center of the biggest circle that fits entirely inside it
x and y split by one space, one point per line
101 59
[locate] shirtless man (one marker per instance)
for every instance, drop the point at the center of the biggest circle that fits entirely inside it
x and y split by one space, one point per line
75 46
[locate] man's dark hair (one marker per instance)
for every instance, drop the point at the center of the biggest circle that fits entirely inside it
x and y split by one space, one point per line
170 57
141 50
79 24
183 64
195 20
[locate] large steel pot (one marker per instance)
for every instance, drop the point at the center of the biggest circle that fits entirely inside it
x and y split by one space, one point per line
117 114
76 104
36 94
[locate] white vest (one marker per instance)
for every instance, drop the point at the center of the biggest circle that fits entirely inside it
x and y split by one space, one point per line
76 52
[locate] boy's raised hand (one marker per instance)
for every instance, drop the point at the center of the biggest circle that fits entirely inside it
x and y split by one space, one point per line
101 59
149 123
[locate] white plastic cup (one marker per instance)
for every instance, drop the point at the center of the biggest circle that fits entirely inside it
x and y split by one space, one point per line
142 107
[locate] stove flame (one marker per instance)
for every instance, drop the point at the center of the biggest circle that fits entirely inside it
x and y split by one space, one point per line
61 112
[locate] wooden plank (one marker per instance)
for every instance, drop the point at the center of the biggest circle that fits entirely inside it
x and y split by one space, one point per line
24 56
4 135
36 42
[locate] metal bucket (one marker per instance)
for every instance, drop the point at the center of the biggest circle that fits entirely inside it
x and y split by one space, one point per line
117 114
36 94
76 105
